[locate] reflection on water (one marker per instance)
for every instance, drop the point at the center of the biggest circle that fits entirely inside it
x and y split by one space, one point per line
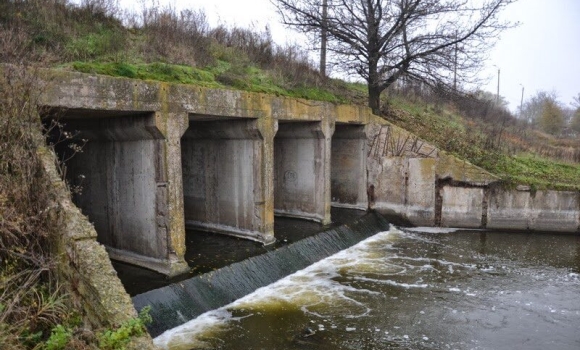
411 290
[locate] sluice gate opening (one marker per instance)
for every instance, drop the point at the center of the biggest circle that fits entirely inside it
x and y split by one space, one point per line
118 177
300 172
348 177
223 165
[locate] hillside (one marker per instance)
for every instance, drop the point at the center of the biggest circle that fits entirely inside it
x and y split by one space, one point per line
163 45
181 47
498 143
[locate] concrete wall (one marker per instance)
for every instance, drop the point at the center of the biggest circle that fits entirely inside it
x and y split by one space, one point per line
258 154
411 180
539 211
300 172
462 207
348 178
222 182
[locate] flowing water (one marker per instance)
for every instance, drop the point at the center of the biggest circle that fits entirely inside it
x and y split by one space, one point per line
419 289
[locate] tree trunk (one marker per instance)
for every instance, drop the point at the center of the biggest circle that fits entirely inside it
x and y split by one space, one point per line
374 99
323 40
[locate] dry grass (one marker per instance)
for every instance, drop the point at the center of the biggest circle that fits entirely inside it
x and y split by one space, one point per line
30 301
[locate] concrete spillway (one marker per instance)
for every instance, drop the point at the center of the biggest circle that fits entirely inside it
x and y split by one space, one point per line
161 157
177 303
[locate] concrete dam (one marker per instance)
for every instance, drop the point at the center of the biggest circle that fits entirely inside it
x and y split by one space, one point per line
159 157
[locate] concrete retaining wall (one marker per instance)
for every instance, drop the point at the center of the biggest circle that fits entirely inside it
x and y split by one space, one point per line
462 207
410 179
538 211
163 155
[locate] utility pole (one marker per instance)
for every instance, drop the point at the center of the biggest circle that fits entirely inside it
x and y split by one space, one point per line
497 95
323 39
522 102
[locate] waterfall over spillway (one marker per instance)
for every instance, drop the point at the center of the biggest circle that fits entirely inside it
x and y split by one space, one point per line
178 303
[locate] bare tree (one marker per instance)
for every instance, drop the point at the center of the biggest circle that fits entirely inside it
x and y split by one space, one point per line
534 106
552 117
576 101
384 40
575 121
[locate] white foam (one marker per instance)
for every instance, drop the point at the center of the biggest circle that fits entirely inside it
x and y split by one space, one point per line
393 283
432 229
309 288
188 332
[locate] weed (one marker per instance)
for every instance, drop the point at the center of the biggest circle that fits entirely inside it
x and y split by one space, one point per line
116 339
59 337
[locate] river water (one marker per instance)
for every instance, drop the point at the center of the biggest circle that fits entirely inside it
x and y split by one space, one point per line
420 289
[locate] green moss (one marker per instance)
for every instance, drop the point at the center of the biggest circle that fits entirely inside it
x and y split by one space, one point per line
154 71
223 74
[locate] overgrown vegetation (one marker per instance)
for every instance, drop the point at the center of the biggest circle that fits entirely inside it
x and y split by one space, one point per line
180 47
35 311
161 44
30 302
489 136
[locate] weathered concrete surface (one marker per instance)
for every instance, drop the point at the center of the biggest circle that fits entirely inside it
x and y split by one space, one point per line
133 126
123 173
462 207
420 191
348 176
509 210
301 171
84 268
222 172
245 156
405 187
403 173
540 211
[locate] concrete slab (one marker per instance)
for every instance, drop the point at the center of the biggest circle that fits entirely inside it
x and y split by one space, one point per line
556 211
509 209
421 191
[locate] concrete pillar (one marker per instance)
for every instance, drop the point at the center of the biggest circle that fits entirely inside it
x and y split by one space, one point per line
127 187
302 170
348 167
225 178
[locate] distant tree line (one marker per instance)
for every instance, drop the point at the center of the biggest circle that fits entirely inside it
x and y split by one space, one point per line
545 112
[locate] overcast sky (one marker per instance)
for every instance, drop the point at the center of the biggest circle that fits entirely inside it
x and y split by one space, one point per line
543 53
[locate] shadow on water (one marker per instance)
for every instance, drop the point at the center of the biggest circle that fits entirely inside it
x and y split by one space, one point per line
207 251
